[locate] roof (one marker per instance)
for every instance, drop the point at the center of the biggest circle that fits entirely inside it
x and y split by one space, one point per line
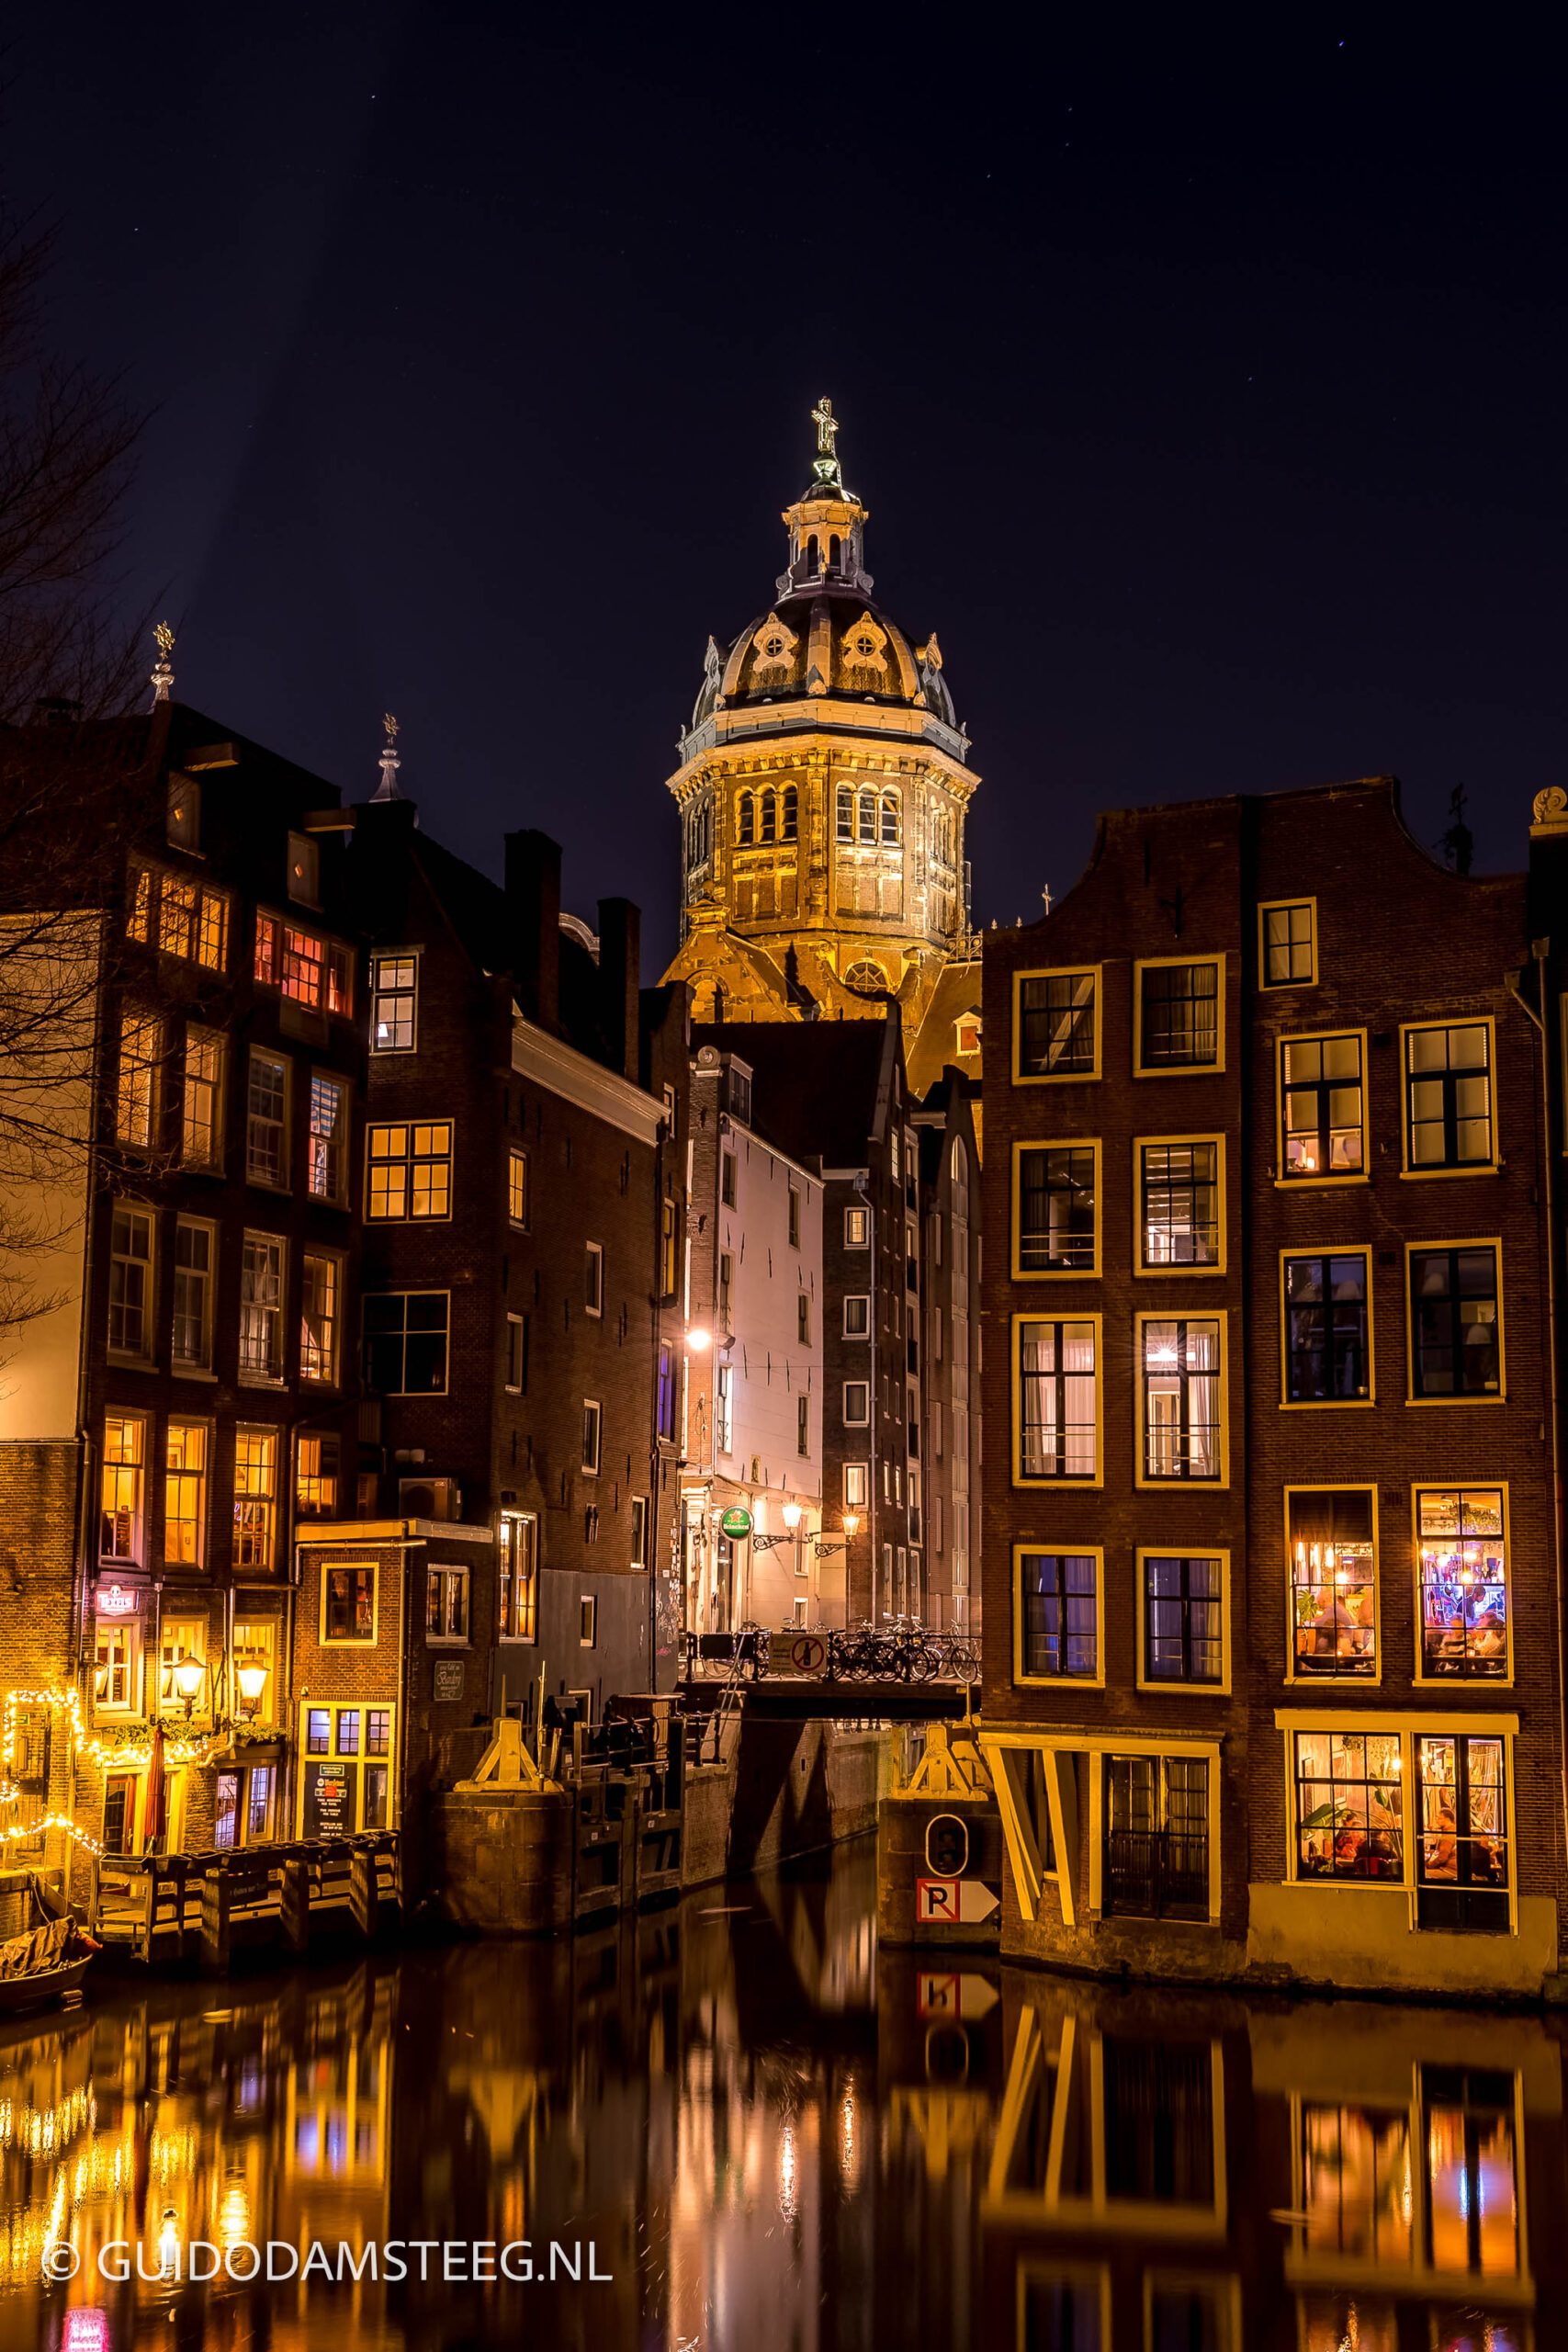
934 1043
819 1087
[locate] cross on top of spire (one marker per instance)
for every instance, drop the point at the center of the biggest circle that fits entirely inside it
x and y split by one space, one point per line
825 465
388 788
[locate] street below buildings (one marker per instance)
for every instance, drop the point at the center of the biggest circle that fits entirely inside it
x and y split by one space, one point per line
737 2124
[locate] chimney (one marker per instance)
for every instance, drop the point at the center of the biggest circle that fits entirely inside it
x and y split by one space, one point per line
533 916
620 973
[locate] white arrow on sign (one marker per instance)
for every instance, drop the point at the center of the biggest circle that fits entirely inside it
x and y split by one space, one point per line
958 1994
953 1902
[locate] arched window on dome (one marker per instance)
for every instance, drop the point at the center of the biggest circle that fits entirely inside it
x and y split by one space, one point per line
748 820
844 818
791 813
769 816
832 555
813 557
890 820
866 978
707 832
868 818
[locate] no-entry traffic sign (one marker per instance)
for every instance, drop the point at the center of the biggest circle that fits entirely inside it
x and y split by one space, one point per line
953 1902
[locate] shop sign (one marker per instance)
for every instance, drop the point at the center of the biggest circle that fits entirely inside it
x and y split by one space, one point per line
116 1600
737 1524
450 1677
329 1799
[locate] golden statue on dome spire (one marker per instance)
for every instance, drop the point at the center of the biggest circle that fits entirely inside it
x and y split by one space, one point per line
825 465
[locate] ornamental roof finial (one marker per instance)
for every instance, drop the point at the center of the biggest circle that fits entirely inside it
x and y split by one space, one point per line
388 788
163 672
825 465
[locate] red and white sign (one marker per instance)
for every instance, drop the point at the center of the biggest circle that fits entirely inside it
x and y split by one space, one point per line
116 1601
809 1654
953 1902
954 1994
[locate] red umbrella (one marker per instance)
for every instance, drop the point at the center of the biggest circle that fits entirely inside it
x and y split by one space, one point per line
157 1801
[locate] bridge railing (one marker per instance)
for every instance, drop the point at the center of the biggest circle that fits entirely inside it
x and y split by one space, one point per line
892 1653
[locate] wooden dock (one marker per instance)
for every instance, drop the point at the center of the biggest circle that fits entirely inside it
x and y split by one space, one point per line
166 1909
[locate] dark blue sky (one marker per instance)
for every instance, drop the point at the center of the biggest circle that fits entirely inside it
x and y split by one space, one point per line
1207 392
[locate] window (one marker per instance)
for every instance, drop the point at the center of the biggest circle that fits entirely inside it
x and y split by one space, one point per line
1322 1108
1288 942
136 1102
1156 1866
803 1425
304 967
588 1622
857 1404
867 815
201 1139
195 1252
668 1250
640 1531
517 1353
724 1409
405 1342
1056 1205
857 1228
139 911
1056 1407
968 1038
1183 1627
176 916
1456 1341
518 1563
319 1317
131 1282
593 1431
394 997
726 1179
1055 1026
795 1217
180 1638
117 1659
1181 1205
857 1317
408 1171
1448 1097
213 931
304 874
1182 1394
446 1604
1179 1016
770 815
890 821
1462 1858
255 1653
664 1398
329 1139
266 1120
261 1308
593 1278
1327 1336
183 823
517 1188
802 1318
748 825
857 1485
1331 1536
1461 1543
339 979
121 1515
844 814
345 1783
348 1604
1349 1806
265 964
791 813
185 1493
256 1498
316 1474
1057 1623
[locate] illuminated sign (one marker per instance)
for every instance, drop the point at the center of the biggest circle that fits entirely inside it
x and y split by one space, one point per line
116 1601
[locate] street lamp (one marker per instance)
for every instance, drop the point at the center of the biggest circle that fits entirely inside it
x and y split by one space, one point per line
851 1525
253 1682
189 1676
791 1515
699 1341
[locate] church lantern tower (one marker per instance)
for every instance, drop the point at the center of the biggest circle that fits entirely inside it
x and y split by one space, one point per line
823 788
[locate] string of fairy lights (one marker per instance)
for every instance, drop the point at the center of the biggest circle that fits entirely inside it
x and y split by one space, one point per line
132 1757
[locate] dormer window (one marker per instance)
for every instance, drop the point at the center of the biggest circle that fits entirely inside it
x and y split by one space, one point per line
184 827
775 649
865 646
304 871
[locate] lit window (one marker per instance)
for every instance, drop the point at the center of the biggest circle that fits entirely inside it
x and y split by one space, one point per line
405 1344
121 1516
857 1484
446 1604
518 1577
340 979
1448 1079
202 1136
844 814
1056 1034
1462 1883
316 1474
857 1404
1327 1355
967 1040
1183 1398
1058 1615
177 916
664 1398
1289 957
1321 1108
261 1308
348 1604
588 1622
593 1430
116 1656
179 1639
1057 1225
857 1228
195 1247
266 1120
593 1278
890 821
319 1317
1455 1335
265 964
255 1653
1464 1581
185 1493
329 1121
1349 1806
517 1187
141 1039
1183 1623
857 1317
256 1498
1179 1191
1057 1400
868 818
131 1282
304 967
1333 1580
139 907
182 826
409 1170
212 932
394 990
1179 1016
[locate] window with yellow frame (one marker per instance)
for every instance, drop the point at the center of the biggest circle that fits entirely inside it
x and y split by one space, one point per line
1058 1400
1056 1021
1322 1108
1055 1209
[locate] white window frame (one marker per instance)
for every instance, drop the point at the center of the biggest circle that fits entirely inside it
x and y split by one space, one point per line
593 1424
396 993
857 1393
445 1577
594 1279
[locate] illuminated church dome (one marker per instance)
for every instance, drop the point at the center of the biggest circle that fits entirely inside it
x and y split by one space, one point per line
823 786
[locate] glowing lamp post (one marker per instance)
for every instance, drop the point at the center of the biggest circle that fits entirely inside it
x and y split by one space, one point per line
253 1682
189 1676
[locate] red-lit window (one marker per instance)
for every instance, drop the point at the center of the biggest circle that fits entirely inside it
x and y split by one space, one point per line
339 979
304 968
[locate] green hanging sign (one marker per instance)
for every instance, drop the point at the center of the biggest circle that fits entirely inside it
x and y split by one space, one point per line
737 1523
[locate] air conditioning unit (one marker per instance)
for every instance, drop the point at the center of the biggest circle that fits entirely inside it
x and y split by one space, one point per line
430 1498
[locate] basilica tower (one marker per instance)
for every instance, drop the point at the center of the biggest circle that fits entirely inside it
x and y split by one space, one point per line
823 787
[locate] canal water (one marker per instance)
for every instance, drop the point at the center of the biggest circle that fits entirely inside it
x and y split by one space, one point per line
744 2128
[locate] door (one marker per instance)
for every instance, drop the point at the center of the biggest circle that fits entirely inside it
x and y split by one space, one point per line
1462 1866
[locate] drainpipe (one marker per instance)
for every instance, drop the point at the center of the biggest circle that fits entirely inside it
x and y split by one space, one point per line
1540 950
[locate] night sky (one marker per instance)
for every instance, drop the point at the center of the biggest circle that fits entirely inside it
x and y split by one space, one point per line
1207 391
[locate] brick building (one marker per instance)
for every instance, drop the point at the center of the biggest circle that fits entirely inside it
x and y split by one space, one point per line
189 1398
1274 1642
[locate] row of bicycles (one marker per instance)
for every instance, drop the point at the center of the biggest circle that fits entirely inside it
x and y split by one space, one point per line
887 1649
